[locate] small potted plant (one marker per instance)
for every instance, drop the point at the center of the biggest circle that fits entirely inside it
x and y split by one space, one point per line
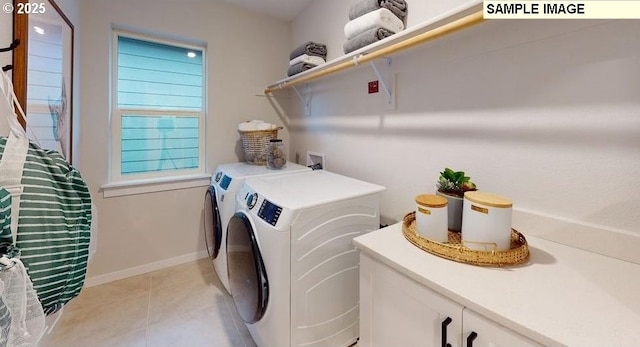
452 185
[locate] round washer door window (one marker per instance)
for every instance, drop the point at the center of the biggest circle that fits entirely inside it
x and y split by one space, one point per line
247 276
212 224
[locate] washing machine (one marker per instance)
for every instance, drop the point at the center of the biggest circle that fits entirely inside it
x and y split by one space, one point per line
220 205
293 271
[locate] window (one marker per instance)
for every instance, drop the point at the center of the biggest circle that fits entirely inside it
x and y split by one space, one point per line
157 119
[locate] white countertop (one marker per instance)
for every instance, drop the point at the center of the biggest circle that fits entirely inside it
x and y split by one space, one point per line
562 296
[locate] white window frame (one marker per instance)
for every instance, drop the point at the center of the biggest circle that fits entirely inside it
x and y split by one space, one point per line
119 184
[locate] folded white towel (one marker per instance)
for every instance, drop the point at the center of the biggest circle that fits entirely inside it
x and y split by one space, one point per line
309 59
379 18
255 125
249 125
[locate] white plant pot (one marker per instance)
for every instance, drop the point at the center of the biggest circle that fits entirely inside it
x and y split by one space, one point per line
454 211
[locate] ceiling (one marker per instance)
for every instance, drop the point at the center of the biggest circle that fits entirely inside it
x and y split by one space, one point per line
282 9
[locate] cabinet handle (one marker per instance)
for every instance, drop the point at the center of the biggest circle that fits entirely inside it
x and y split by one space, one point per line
470 338
445 322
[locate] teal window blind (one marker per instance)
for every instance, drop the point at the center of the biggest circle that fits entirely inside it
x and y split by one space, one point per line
159 143
160 96
158 76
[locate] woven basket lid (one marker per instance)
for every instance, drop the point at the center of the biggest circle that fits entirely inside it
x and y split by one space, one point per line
488 199
430 200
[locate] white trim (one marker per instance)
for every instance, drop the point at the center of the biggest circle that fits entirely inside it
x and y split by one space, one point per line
51 320
113 148
161 39
143 269
151 185
157 112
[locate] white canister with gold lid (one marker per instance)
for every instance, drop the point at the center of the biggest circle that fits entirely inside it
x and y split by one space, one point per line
431 217
486 221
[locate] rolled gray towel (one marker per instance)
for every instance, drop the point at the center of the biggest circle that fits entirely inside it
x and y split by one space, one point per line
366 38
309 48
298 68
398 7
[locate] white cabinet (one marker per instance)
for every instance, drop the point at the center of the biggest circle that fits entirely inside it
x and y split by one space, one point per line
397 311
406 292
485 333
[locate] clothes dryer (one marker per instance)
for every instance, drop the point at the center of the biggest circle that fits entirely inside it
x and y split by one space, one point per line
220 205
293 270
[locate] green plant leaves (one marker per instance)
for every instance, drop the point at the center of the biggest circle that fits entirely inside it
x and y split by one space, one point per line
455 182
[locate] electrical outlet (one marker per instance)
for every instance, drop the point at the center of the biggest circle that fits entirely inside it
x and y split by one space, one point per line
373 87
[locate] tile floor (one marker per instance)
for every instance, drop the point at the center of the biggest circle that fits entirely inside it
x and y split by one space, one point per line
185 305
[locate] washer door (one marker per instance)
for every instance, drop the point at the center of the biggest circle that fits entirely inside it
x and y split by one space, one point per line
212 224
247 276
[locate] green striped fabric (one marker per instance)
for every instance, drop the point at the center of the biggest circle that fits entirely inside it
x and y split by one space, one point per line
7 248
5 217
53 226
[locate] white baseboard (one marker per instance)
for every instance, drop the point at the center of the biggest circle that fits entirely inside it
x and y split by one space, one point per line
143 269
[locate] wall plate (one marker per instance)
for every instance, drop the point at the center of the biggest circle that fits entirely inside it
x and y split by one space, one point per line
314 158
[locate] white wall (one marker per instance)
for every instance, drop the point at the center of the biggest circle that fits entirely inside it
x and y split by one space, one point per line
138 233
544 112
6 36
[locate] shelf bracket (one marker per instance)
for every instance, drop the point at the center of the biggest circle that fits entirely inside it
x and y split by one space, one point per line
388 83
305 100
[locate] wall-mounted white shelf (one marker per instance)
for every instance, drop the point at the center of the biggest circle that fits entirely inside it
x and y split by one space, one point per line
450 22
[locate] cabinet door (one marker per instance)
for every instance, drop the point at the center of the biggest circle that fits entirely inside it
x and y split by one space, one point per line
397 311
490 334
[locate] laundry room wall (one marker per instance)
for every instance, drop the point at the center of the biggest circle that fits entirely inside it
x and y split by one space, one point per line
544 112
139 233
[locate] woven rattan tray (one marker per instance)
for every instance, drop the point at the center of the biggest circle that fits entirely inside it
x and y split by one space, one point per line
456 251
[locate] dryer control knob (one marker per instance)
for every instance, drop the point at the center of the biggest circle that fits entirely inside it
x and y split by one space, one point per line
252 199
218 176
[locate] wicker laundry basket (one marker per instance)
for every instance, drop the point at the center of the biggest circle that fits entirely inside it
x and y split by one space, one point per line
254 144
